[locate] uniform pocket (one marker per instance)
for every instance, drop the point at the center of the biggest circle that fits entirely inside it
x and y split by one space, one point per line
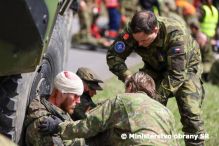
177 62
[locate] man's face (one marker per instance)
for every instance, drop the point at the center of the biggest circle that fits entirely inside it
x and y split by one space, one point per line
70 102
144 39
90 91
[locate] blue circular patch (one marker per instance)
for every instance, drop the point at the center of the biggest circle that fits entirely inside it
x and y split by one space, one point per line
119 47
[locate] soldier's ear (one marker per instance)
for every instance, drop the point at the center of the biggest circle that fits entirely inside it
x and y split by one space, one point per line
86 88
156 29
128 88
54 92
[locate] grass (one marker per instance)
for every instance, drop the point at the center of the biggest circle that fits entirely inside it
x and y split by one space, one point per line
210 106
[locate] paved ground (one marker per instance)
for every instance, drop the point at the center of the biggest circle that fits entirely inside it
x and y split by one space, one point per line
95 60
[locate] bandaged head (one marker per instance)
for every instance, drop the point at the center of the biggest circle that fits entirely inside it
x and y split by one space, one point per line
69 82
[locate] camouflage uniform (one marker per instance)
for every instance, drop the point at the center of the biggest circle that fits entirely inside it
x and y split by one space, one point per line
5 141
174 16
37 112
128 8
80 109
214 75
174 62
129 113
205 47
207 58
167 5
86 104
85 19
168 8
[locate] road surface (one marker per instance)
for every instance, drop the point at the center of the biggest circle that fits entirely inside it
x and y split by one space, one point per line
96 60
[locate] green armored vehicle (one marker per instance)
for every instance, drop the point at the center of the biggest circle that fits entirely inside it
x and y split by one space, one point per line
34 37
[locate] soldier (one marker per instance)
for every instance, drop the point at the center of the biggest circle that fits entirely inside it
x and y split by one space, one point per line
128 8
151 5
186 10
114 17
171 57
205 47
168 9
129 114
91 84
170 5
213 75
85 15
89 32
66 94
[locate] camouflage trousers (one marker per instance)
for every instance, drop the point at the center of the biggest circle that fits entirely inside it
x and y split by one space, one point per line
101 139
189 99
214 75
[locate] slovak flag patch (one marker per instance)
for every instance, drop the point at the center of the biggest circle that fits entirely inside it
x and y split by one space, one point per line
176 50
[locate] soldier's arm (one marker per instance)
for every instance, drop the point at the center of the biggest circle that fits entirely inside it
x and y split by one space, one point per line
98 120
79 112
117 54
176 60
35 138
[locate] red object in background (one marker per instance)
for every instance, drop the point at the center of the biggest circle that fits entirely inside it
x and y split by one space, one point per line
111 34
98 5
111 3
197 3
123 20
125 36
188 8
95 31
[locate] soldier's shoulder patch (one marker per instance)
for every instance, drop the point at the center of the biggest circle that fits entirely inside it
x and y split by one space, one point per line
119 46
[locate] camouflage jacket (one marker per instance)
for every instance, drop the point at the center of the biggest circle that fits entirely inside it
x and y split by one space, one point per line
127 115
171 57
81 108
36 113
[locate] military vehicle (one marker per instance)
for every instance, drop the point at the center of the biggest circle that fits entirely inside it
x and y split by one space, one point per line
34 37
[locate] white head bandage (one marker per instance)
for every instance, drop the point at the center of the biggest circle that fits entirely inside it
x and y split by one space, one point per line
69 82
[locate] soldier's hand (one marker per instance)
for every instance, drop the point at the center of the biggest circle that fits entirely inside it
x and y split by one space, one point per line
49 125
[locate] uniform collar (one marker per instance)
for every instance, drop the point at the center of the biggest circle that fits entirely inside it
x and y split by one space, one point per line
59 110
86 96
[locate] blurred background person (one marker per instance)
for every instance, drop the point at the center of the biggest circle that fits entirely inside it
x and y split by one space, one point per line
89 33
150 5
128 8
208 18
186 10
168 9
205 48
114 15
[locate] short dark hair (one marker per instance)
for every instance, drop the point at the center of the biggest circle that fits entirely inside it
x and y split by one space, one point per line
141 81
143 21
